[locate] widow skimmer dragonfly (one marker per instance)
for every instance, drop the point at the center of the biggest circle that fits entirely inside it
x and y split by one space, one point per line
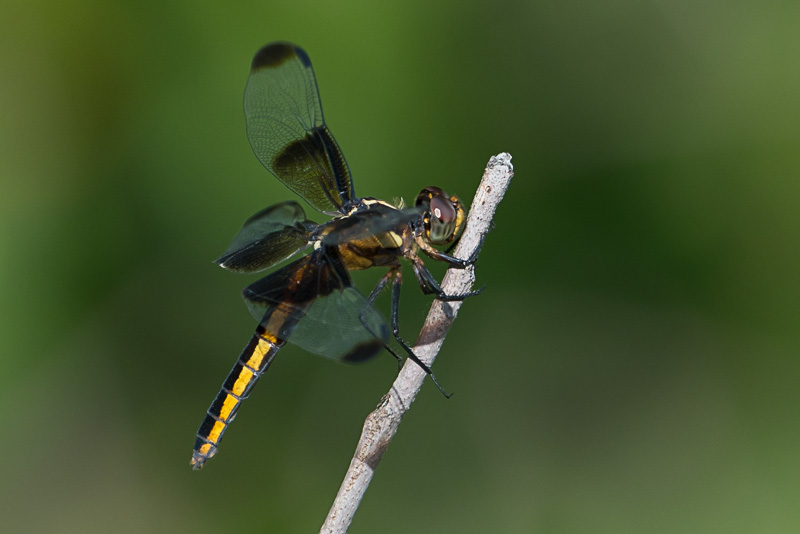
312 301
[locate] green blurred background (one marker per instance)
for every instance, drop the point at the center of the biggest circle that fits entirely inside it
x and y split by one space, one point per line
631 367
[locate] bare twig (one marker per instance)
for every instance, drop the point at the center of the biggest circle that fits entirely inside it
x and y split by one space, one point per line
381 425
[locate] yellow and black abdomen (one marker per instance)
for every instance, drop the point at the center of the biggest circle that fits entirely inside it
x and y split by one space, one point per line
252 363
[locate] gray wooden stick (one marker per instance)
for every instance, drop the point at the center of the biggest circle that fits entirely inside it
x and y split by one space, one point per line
381 425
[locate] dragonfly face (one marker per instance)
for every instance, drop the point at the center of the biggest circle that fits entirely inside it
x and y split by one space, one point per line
443 216
311 302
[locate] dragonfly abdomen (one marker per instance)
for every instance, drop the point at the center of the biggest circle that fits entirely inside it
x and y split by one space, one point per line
252 363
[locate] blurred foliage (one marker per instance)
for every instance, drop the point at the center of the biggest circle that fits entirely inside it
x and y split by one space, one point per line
631 367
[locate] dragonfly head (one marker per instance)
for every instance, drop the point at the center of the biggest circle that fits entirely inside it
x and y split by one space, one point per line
444 215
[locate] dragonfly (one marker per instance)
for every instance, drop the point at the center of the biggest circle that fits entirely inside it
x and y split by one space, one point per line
312 301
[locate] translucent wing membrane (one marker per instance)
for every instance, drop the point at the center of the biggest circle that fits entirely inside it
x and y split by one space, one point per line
342 325
375 220
267 238
287 131
338 322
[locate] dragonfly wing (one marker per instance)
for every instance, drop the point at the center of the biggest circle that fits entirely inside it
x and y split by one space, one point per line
334 319
267 238
373 221
287 131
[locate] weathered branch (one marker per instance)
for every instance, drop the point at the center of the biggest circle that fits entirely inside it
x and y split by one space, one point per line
381 425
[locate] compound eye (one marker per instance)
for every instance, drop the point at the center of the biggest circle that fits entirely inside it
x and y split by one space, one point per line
443 220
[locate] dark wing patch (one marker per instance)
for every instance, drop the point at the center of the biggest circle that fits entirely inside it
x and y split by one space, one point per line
337 320
287 130
267 238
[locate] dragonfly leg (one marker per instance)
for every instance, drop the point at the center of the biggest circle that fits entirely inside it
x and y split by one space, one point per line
396 285
458 263
380 285
371 300
429 285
